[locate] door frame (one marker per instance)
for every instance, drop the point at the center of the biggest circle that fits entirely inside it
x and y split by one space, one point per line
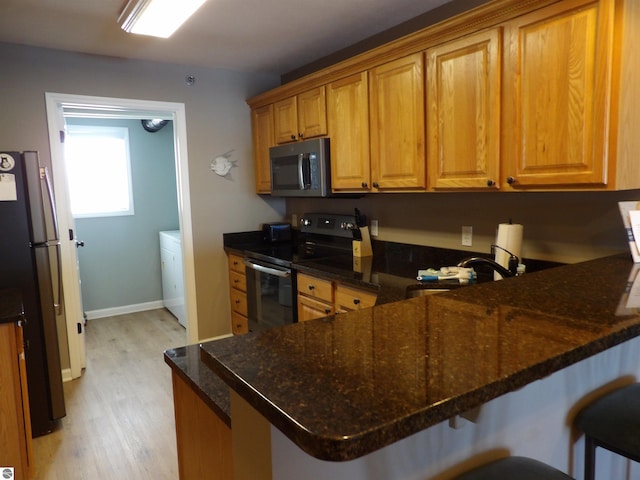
108 107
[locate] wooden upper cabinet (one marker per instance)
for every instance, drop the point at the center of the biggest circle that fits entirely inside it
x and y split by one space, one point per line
348 126
312 113
300 117
463 112
557 95
397 124
262 120
286 120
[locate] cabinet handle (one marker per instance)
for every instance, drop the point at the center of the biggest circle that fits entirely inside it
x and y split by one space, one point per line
327 311
490 182
293 137
375 185
311 287
235 263
364 184
237 302
235 281
301 135
356 301
511 180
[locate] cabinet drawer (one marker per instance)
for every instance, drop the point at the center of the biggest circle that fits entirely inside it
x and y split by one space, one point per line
235 264
353 298
238 302
239 324
237 280
315 287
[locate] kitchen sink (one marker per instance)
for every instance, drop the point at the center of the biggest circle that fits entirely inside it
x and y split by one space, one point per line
421 289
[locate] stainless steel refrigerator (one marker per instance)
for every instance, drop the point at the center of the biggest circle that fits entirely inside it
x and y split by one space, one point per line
30 261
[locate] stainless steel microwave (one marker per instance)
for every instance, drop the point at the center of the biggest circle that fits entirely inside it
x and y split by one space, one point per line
301 169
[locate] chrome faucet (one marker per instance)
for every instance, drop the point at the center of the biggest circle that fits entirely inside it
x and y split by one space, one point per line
491 263
512 271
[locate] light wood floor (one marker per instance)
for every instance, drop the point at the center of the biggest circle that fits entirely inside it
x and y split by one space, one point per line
119 421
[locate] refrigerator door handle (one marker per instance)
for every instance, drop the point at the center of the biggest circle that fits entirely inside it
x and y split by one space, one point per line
46 177
59 301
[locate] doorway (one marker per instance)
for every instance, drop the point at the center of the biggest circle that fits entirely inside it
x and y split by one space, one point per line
61 105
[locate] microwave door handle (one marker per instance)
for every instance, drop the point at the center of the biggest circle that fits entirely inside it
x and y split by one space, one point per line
300 171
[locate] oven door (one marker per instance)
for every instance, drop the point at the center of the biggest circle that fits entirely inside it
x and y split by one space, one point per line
270 295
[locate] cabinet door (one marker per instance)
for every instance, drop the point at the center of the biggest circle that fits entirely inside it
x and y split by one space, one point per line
557 95
463 112
398 124
285 115
263 139
15 426
310 308
348 124
312 113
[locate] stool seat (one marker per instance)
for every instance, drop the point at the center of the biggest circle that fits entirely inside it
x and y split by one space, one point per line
510 468
612 422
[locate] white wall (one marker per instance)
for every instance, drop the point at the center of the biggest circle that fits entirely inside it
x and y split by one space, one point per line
218 120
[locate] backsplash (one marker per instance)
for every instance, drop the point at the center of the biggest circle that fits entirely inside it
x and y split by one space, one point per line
565 227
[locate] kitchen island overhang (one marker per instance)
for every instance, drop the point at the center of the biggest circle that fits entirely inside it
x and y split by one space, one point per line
347 385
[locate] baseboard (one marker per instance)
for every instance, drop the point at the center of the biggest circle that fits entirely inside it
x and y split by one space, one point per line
66 375
110 312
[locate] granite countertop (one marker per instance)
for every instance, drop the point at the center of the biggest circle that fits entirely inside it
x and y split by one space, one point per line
346 385
389 271
11 309
186 362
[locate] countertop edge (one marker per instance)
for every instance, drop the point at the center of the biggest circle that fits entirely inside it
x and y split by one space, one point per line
352 447
170 360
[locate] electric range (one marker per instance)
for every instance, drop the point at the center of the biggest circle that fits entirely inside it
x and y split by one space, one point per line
271 285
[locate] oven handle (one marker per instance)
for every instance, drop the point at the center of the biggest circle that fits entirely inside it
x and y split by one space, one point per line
264 269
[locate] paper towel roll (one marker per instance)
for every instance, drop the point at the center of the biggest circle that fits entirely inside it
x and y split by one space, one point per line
510 238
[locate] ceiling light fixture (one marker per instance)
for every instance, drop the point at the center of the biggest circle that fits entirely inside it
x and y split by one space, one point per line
158 18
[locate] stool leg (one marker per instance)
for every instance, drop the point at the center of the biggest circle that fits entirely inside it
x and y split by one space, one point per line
589 458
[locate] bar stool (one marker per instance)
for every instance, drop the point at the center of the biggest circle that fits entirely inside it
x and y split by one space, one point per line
611 422
510 468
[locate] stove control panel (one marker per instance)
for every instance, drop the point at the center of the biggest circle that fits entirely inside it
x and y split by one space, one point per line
335 225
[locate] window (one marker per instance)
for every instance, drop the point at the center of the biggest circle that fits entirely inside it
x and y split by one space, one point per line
98 171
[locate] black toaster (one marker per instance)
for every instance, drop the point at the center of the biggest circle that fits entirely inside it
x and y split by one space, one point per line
276 232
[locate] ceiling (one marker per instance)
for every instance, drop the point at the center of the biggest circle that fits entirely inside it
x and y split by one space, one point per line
267 36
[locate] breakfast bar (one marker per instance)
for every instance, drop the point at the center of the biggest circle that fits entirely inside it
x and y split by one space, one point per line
424 386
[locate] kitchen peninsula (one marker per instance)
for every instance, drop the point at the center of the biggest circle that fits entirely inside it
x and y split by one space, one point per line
377 392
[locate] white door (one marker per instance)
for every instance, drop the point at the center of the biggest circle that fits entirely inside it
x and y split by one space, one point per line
58 105
74 312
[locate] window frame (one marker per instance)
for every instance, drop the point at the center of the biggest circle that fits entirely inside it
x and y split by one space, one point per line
104 131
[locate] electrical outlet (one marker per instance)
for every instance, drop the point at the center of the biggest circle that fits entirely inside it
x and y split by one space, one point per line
467 236
374 228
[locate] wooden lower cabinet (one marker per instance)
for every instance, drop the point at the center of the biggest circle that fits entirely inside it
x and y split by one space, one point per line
15 421
319 297
238 295
349 298
310 308
203 438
